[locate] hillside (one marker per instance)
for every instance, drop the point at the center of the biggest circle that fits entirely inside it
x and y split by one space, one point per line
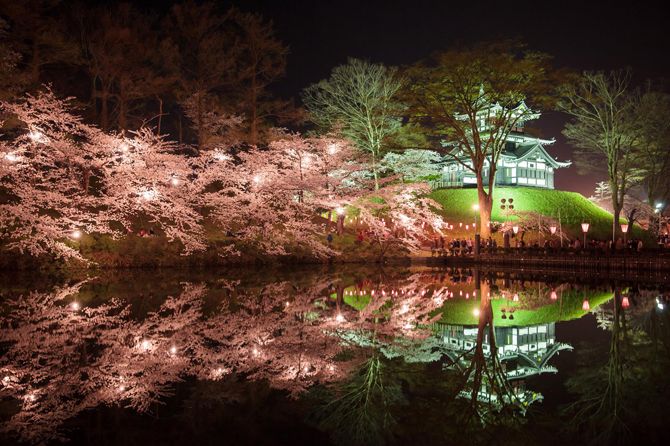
573 207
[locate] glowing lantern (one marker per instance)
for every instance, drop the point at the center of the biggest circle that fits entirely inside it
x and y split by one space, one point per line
460 225
173 350
339 318
75 306
76 234
340 210
624 302
552 229
515 229
516 297
585 227
554 296
585 305
467 227
624 228
476 312
475 207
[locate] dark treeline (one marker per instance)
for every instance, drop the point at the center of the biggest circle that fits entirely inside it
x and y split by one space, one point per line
198 72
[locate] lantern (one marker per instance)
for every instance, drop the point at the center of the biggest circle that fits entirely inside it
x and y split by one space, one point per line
516 297
624 228
585 227
624 302
76 234
554 296
552 229
515 228
585 305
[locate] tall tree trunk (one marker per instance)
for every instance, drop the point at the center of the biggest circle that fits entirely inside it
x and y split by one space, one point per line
374 170
485 201
200 122
35 63
253 130
160 115
104 107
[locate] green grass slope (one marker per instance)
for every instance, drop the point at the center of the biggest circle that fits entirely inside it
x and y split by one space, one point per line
573 207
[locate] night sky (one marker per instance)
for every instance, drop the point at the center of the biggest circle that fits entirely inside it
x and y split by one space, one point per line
579 35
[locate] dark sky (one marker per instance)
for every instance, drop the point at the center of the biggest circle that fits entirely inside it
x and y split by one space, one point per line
581 35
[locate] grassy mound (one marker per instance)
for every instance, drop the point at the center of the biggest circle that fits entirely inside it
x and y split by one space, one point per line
573 208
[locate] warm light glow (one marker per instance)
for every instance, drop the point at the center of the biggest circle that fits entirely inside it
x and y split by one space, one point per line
339 318
624 302
585 227
12 157
76 234
257 179
75 306
552 229
516 297
6 379
174 181
476 312
624 228
148 194
37 137
585 305
221 156
255 352
515 228
146 344
554 296
475 207
173 350
339 210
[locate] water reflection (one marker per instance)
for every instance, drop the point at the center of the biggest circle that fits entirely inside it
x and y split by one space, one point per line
361 348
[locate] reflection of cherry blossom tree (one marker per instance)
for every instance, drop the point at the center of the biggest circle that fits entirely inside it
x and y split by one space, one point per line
63 357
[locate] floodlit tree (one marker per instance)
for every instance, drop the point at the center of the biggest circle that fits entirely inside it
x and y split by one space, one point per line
412 164
653 147
602 109
467 101
359 99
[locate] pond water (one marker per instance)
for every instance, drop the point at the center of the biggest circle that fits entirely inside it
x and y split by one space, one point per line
343 355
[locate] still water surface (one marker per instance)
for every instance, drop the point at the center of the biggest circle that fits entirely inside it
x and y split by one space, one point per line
340 356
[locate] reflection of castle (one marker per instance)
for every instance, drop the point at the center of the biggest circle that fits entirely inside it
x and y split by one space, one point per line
521 352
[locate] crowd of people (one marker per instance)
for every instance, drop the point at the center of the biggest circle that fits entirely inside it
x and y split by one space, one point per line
439 246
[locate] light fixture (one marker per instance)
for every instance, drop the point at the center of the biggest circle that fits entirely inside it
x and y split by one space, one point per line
75 306
625 302
475 207
340 210
624 228
476 312
554 296
552 229
585 305
76 234
585 227
515 228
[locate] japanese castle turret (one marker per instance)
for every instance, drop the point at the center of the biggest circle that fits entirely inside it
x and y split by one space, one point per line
523 162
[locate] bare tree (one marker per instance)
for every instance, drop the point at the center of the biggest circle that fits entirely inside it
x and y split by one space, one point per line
467 101
603 112
359 98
